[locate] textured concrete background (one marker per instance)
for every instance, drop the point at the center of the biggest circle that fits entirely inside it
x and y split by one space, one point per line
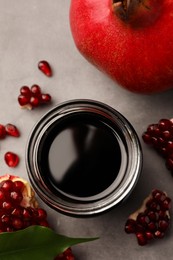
39 29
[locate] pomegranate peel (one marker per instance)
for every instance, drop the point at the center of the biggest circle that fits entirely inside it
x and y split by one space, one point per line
152 219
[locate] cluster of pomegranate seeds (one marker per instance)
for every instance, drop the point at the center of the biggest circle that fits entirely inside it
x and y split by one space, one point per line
32 97
44 66
13 216
8 129
160 136
152 220
11 159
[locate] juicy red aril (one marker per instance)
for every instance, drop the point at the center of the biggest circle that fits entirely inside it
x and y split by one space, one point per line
2 131
7 185
7 206
25 90
160 136
23 100
142 239
34 101
41 214
45 98
19 185
12 130
16 223
36 91
45 68
16 197
11 159
152 220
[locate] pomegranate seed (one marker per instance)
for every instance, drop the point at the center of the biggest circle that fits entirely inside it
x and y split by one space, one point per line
142 240
159 234
7 185
166 204
43 223
17 212
23 100
45 68
17 223
164 124
41 214
34 101
36 91
19 185
163 225
11 159
5 219
169 164
7 205
45 98
12 130
26 214
130 226
25 90
149 235
16 196
2 132
2 195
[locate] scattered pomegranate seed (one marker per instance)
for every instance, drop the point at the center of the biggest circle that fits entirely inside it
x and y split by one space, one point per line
11 159
152 220
32 97
45 98
2 132
23 100
12 130
160 136
25 90
44 66
36 90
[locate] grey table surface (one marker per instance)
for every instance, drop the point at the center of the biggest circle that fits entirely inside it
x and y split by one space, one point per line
38 29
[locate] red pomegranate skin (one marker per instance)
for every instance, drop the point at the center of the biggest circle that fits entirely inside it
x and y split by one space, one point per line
136 52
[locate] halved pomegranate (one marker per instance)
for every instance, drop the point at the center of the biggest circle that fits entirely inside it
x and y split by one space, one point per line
152 220
19 208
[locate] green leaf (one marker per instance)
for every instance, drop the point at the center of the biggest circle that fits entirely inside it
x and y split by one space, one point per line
35 243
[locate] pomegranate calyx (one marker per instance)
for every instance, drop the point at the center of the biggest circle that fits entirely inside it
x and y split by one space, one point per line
125 8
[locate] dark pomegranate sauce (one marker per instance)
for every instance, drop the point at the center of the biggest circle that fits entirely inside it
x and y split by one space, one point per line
79 156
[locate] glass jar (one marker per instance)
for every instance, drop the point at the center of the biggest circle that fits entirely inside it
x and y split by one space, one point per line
83 158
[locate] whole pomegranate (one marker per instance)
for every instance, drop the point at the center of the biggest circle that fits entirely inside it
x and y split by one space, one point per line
130 40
